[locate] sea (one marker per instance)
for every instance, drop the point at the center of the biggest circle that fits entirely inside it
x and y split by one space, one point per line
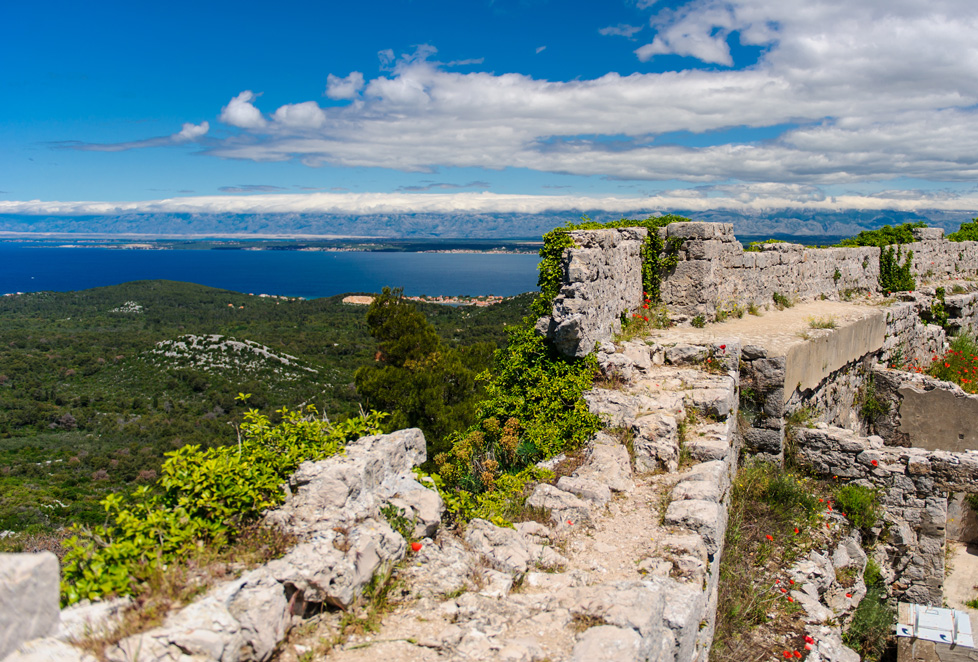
28 267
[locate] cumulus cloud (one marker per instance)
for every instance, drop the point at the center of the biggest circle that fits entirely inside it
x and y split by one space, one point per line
240 112
344 88
750 197
857 92
188 134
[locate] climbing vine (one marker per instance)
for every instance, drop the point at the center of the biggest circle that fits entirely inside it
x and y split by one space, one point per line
659 256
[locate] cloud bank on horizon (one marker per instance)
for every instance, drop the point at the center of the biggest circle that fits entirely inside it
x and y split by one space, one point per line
745 104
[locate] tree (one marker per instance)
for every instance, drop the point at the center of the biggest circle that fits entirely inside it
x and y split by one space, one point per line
416 378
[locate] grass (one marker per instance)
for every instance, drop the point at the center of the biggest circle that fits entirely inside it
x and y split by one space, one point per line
781 301
870 632
860 504
822 322
767 506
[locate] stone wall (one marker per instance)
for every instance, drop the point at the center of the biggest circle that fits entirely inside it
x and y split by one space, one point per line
602 277
602 280
915 484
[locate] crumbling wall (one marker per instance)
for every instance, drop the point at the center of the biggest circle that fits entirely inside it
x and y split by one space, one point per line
602 280
915 484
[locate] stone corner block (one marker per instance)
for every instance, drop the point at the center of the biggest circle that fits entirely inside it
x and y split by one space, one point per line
30 590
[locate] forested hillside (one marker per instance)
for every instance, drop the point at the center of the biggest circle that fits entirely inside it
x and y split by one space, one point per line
95 386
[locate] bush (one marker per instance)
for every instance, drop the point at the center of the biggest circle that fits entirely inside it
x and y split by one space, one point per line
203 497
959 364
860 504
895 277
533 410
871 628
967 232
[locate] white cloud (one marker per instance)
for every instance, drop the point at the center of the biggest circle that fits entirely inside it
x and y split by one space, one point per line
621 30
306 115
191 132
344 88
541 49
857 92
757 197
241 113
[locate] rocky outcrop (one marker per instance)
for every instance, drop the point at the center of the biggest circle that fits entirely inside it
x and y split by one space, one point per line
334 508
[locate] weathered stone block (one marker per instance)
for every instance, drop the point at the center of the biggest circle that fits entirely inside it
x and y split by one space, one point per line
30 589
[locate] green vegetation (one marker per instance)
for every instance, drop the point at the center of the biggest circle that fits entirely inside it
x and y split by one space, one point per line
870 406
658 256
781 301
884 236
768 506
204 497
967 232
416 377
94 392
894 276
871 629
532 410
959 364
822 322
860 504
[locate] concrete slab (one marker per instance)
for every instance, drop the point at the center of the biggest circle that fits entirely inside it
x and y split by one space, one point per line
961 584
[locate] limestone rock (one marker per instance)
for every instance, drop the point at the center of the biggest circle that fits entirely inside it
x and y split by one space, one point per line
607 643
335 566
705 517
22 619
586 489
507 550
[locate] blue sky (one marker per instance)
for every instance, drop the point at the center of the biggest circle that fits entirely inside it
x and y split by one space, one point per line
498 106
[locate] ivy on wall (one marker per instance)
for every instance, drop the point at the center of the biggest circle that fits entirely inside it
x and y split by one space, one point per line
659 256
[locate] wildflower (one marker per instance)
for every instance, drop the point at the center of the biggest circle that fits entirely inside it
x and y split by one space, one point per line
769 537
796 530
875 464
787 655
723 347
809 640
790 599
848 595
784 590
570 523
791 581
797 654
415 547
808 646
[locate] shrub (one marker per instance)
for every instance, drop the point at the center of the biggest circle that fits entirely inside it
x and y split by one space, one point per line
967 232
959 364
871 628
860 504
203 497
533 410
699 322
781 301
938 311
871 407
895 277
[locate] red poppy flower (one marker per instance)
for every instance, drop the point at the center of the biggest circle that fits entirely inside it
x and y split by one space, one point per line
769 537
790 599
570 523
848 595
787 655
808 647
723 346
797 654
415 547
875 463
809 640
791 581
796 530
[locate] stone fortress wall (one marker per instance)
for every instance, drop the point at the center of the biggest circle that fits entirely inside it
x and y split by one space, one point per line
603 276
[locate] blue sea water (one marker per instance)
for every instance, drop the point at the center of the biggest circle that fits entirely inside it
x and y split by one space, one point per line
30 268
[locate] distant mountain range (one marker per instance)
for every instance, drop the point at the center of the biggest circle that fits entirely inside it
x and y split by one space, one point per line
792 222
